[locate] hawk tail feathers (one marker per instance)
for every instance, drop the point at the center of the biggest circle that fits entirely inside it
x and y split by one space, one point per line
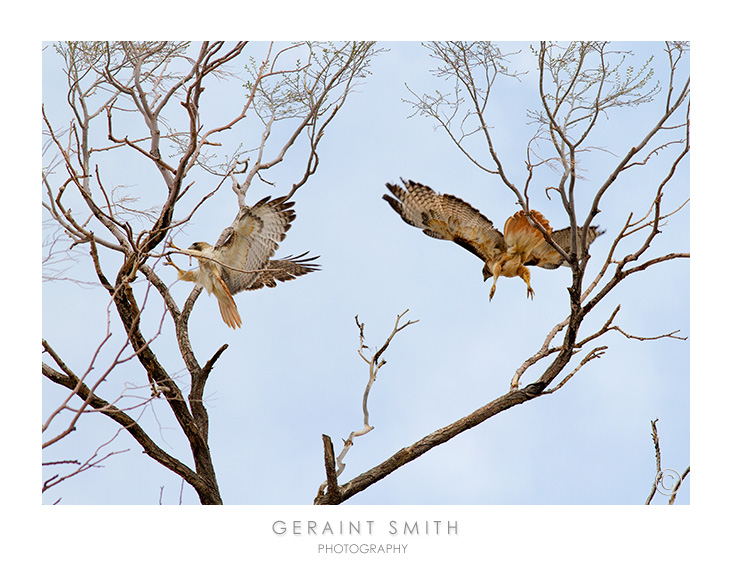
227 306
521 235
229 312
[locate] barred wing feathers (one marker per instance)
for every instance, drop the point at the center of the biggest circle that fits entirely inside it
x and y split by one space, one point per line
287 268
545 256
252 240
446 217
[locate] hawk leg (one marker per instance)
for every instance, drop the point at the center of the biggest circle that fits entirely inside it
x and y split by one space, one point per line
169 262
187 275
496 273
524 273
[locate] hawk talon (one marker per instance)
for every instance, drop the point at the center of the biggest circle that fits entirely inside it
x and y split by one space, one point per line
168 262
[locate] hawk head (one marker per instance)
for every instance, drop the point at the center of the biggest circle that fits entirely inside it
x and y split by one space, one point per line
200 246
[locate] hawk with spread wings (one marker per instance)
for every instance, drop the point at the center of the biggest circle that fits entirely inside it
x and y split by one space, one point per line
449 218
240 260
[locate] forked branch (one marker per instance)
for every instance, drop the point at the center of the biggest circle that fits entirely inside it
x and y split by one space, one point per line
374 364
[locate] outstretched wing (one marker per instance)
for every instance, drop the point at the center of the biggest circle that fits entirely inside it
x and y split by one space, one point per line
446 217
545 256
252 240
284 269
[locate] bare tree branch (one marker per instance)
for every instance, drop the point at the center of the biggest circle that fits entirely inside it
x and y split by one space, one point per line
658 485
374 364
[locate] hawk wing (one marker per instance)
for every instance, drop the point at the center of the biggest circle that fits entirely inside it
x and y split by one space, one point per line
545 256
446 217
251 241
284 269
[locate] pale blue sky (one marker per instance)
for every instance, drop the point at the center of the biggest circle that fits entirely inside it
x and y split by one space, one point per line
292 372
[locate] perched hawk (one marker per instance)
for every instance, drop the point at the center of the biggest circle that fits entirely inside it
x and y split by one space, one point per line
450 218
241 258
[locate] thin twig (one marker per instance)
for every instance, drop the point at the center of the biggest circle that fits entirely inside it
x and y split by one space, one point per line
677 485
658 462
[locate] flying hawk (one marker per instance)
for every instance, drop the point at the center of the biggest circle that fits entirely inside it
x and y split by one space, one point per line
240 260
449 218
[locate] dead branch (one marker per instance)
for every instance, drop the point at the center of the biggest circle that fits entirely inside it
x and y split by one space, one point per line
374 364
129 424
593 354
92 462
658 484
331 482
677 485
408 454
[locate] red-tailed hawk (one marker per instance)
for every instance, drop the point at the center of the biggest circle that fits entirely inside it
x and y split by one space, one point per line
449 218
240 260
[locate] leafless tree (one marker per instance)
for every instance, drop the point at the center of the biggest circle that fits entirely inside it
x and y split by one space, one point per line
578 84
145 105
152 105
